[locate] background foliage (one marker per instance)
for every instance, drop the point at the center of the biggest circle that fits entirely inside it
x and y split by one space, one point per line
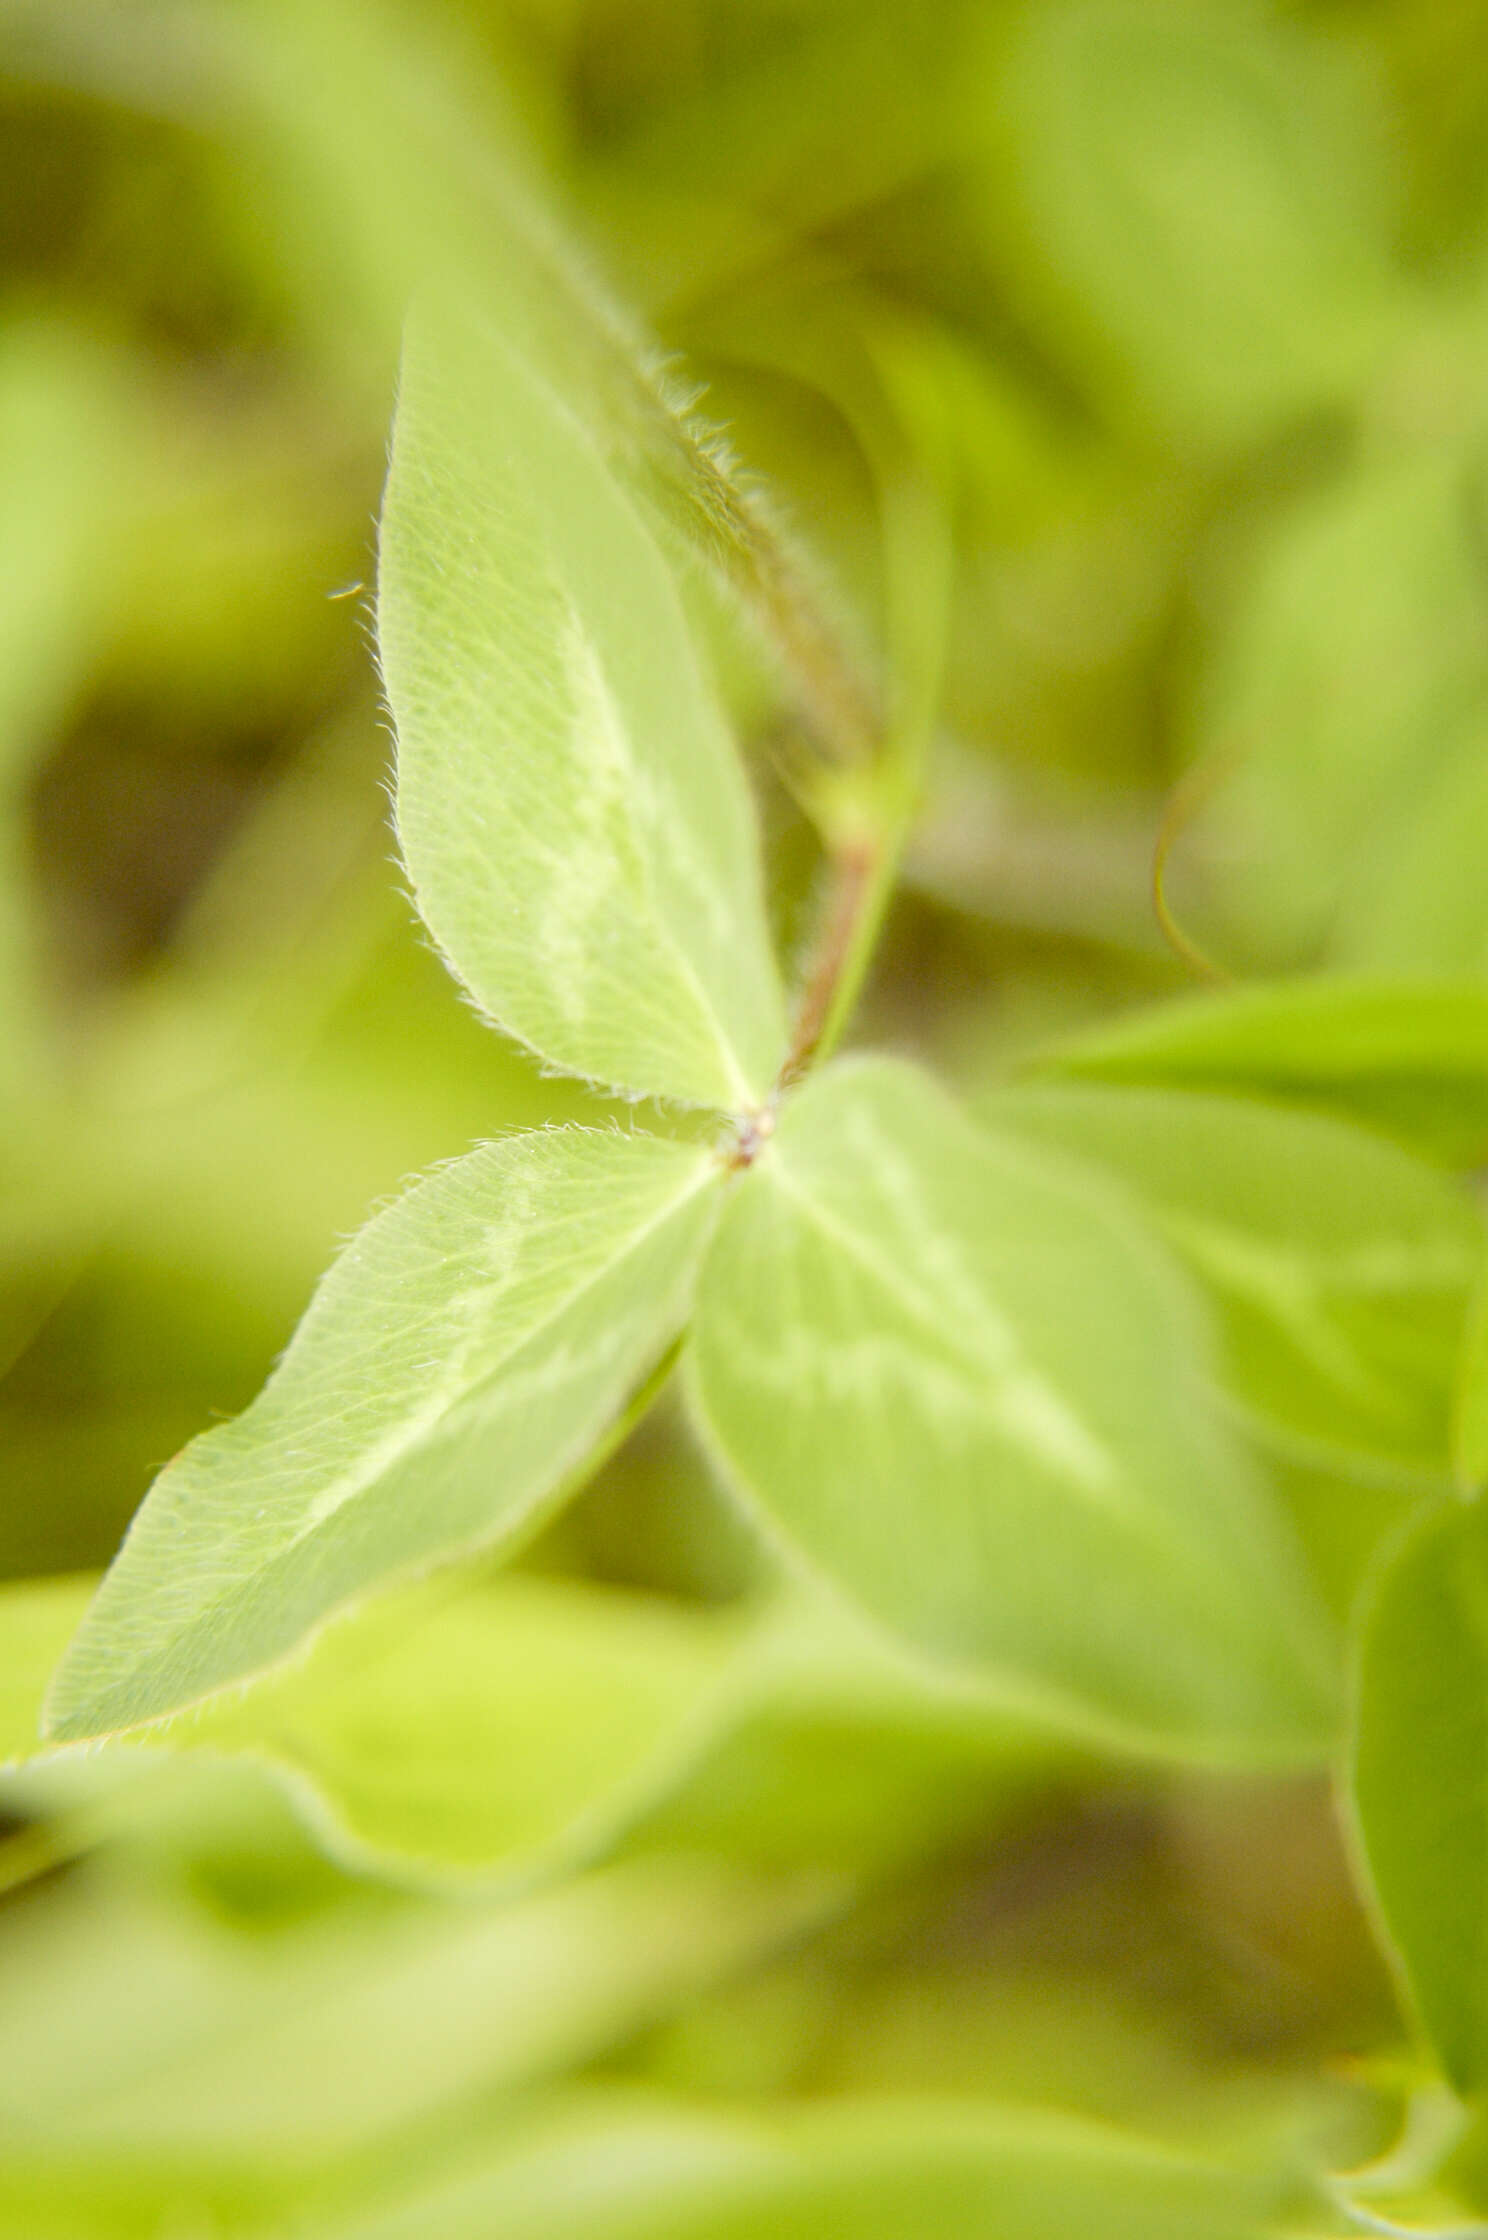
1138 353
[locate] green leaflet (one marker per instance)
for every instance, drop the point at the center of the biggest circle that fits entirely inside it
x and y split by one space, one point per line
1340 1266
623 2167
1420 1777
1408 1057
462 1356
962 1383
572 812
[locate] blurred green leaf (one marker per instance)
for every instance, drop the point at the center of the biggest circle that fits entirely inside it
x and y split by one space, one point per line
1196 194
1343 1516
1342 668
63 412
497 1731
1419 902
866 2170
1470 1411
57 2195
842 1752
961 1381
747 145
133 2021
576 825
429 168
1408 1057
465 1352
38 1617
63 419
1419 1788
1427 2179
416 1740
1339 1266
412 1740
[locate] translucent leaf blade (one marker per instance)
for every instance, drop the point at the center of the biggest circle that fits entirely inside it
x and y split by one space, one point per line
574 817
971 1392
456 1363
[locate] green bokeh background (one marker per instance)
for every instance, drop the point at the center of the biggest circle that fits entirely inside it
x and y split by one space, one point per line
1179 313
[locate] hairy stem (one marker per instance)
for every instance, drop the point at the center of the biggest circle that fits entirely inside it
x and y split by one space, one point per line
758 563
866 813
854 876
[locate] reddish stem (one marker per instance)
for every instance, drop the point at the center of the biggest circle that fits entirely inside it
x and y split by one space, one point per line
853 871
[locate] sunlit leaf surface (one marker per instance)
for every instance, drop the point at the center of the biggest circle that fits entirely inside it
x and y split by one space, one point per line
963 1383
572 813
462 1355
